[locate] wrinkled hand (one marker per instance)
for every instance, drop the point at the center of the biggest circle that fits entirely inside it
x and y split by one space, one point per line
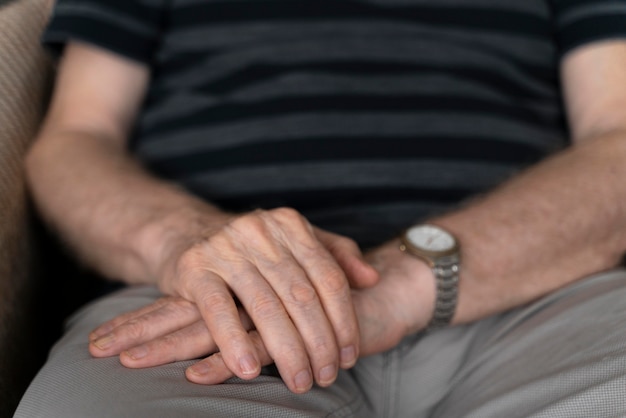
400 304
293 283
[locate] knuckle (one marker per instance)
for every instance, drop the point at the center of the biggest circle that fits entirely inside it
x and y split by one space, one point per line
323 347
216 301
271 259
292 219
135 329
250 224
169 342
333 281
251 234
265 307
302 294
260 239
293 353
287 214
348 331
347 334
218 242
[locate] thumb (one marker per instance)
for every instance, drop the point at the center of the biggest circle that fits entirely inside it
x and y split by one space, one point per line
360 273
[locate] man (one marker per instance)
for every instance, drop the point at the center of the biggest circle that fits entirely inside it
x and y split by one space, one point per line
361 118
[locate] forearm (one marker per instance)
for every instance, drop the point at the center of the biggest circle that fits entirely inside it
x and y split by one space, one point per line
116 217
558 222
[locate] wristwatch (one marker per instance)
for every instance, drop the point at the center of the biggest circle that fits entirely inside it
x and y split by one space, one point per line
440 250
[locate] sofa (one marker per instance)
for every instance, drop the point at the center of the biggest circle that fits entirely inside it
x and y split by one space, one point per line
25 79
40 283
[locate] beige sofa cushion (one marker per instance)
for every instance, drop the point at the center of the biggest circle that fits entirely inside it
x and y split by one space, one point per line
25 71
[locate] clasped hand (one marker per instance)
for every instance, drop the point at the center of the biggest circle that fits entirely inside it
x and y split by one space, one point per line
270 288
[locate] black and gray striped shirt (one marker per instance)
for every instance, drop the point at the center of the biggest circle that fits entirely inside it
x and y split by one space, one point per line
366 115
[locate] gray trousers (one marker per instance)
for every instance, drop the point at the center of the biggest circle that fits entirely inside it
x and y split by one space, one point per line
563 356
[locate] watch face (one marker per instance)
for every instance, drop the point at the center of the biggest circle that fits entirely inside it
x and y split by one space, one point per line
430 238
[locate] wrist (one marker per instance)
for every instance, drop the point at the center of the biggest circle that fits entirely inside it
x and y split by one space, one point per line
421 291
170 231
413 297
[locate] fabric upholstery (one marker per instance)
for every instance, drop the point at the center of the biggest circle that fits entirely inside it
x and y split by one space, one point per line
24 84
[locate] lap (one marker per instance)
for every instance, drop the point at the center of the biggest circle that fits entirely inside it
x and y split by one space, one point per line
564 355
73 384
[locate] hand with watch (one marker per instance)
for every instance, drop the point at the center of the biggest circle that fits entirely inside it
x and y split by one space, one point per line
400 304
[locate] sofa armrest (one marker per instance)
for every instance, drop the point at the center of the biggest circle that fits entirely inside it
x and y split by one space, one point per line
25 72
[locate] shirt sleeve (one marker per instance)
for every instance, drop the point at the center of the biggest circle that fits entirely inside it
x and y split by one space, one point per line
131 28
578 22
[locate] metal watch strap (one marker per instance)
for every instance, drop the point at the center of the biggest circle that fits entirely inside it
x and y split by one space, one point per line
446 270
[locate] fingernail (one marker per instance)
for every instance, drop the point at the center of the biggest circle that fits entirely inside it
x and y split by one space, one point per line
104 342
348 356
137 353
248 365
200 369
101 331
327 375
303 381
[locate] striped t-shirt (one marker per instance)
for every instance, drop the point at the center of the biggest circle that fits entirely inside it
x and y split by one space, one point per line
366 115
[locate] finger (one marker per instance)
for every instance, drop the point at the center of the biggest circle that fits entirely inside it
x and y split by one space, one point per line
316 295
359 272
219 312
108 326
274 324
332 287
304 307
188 343
174 314
264 283
213 370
